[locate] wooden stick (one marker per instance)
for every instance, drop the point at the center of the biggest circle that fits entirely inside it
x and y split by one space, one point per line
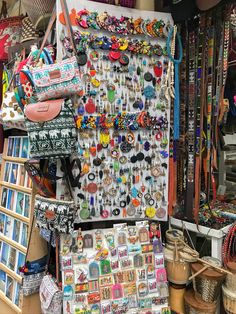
222 270
198 272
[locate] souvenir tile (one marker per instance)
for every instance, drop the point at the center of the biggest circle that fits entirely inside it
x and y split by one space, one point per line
142 288
93 270
122 238
68 307
149 259
161 275
105 280
69 277
94 297
138 260
106 307
122 252
119 277
132 235
81 287
134 248
141 274
98 240
152 285
150 271
93 285
147 248
95 309
143 235
130 275
66 262
110 240
126 263
145 303
129 288
159 260
120 306
133 302
164 289
80 259
157 246
88 241
68 293
65 244
105 293
117 291
80 298
81 274
105 267
115 265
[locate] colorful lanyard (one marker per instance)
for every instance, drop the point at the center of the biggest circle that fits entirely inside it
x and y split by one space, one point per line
176 67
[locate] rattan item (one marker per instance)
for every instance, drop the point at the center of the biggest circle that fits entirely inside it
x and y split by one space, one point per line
38 8
229 300
174 236
231 279
196 306
178 270
28 30
176 298
207 284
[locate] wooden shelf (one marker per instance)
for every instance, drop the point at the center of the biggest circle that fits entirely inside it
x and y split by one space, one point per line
16 187
14 215
10 303
11 273
15 159
13 243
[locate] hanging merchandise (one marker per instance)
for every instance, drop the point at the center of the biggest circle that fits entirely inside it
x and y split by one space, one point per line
10 30
123 115
115 270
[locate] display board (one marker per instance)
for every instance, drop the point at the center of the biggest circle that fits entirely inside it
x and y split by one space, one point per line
116 270
15 204
123 115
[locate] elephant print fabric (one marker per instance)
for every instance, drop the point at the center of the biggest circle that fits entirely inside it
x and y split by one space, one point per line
52 214
55 138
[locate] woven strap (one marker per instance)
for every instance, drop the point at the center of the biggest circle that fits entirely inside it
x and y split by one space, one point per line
227 245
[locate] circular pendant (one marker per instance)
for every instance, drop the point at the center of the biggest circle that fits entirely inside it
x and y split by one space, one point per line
131 211
160 213
92 188
150 212
124 60
84 213
125 147
82 59
90 106
94 55
148 76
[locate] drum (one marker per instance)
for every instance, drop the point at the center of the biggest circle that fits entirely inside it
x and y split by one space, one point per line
178 270
231 279
207 284
176 298
196 306
229 300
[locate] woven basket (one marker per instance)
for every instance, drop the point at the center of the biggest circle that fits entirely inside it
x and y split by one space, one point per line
231 279
207 284
194 306
37 8
229 300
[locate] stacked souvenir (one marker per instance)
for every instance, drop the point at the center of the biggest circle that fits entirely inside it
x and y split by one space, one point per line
117 270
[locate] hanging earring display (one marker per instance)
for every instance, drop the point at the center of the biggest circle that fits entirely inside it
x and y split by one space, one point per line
123 118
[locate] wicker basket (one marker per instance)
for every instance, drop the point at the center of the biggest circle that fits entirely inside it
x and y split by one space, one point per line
207 284
229 300
195 306
37 9
231 279
173 236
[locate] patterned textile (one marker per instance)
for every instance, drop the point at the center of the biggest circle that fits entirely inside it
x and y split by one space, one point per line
53 214
50 296
31 283
55 138
57 80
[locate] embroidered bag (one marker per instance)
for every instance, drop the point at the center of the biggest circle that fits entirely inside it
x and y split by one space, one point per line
11 113
51 129
54 214
33 273
50 296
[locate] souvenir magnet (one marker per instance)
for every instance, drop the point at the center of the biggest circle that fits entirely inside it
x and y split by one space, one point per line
94 297
152 285
142 274
68 293
66 262
159 260
88 241
105 280
142 289
105 267
106 307
138 260
122 252
93 285
93 270
117 291
69 277
129 288
105 293
114 265
161 275
81 287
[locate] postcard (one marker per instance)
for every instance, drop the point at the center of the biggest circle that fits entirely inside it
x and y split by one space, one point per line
20 261
3 278
10 146
20 203
4 197
12 259
24 235
26 205
16 230
5 253
16 148
9 287
25 148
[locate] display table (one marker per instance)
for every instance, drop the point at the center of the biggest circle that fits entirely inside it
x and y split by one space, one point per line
215 235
